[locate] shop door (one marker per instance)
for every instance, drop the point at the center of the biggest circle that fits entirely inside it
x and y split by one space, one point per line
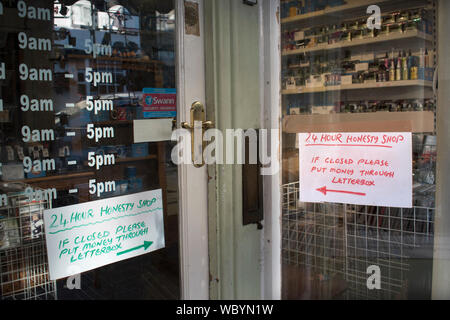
359 145
92 204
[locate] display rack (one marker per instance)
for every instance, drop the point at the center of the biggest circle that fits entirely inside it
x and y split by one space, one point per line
338 240
313 234
23 254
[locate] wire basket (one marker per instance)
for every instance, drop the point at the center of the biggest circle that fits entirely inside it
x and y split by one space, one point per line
338 240
23 255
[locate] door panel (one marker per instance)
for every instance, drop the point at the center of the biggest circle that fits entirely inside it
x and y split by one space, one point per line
193 196
75 77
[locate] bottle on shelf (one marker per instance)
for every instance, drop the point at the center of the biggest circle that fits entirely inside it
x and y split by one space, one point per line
421 59
392 69
398 68
405 71
411 67
386 67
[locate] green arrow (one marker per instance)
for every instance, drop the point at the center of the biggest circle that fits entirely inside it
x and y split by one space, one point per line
145 246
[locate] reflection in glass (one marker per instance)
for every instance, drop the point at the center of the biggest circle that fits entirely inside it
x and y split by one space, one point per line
72 80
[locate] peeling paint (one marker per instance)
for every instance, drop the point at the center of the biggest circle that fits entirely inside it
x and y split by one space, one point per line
278 15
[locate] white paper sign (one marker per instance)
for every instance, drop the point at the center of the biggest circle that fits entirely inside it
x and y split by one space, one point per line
356 168
152 130
93 234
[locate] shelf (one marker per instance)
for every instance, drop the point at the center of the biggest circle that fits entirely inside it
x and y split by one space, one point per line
136 159
55 177
114 59
360 42
298 66
80 174
355 86
332 10
124 160
115 123
407 121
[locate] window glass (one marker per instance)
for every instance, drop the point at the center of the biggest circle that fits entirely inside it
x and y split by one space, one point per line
74 76
358 69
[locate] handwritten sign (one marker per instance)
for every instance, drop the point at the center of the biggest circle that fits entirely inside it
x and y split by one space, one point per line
93 234
356 168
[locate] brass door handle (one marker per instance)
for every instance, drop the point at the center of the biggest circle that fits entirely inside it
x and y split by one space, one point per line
208 124
186 125
197 115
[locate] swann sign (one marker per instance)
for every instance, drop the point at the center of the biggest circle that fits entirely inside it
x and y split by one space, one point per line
159 103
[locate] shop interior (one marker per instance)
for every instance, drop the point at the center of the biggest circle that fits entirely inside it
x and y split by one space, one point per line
339 74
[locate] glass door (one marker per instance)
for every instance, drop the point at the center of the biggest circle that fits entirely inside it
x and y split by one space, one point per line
359 148
88 95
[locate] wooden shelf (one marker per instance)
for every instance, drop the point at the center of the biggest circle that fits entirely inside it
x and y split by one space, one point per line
115 122
407 121
361 42
332 10
81 174
113 59
126 160
356 86
123 160
55 177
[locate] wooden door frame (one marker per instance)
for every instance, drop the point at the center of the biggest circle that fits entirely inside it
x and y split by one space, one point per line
270 80
192 182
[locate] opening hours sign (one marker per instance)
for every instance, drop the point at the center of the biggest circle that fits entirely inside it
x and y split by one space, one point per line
356 168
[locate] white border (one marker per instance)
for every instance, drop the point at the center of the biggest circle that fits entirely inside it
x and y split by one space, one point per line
192 182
